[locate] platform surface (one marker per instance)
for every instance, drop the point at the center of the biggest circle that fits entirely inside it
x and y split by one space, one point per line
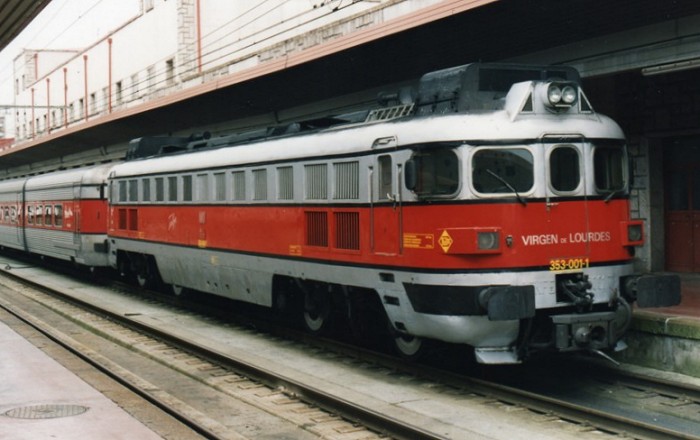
41 399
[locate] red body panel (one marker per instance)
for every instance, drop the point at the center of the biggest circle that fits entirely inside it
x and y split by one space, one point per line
417 236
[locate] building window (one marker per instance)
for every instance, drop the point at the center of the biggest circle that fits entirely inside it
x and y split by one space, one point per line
120 95
170 72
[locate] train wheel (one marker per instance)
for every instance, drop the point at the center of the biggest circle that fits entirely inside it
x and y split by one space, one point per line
317 309
408 346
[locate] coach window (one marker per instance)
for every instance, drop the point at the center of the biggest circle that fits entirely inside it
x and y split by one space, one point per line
30 214
58 215
564 166
502 170
47 215
160 189
39 215
13 214
385 180
172 189
433 172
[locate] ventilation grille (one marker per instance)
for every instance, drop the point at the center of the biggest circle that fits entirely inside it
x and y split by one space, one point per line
385 114
316 182
347 230
260 184
317 229
285 182
347 180
238 185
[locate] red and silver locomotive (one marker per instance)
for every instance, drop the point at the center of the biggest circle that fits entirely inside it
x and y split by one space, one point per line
487 206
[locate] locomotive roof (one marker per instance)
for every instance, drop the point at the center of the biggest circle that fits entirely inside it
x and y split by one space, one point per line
472 129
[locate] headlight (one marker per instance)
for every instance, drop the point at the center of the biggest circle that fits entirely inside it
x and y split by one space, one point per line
561 95
487 240
634 232
568 95
554 94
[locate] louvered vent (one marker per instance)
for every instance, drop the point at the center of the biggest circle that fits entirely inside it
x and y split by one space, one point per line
347 230
347 180
285 183
316 181
316 228
238 185
388 113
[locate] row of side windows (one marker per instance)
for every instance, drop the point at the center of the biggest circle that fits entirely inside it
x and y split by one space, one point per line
245 184
37 214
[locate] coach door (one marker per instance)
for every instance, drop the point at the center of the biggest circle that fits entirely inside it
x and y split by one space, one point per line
682 183
386 205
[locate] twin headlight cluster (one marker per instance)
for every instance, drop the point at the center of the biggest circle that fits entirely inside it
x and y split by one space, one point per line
561 95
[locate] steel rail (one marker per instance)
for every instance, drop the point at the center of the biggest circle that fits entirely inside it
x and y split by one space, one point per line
584 415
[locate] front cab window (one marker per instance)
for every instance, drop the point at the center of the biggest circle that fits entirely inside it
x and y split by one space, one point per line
503 171
564 169
433 172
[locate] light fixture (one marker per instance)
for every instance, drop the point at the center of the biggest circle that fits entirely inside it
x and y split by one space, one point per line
671 67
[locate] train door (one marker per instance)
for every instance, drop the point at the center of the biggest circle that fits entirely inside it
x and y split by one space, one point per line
566 211
682 184
386 206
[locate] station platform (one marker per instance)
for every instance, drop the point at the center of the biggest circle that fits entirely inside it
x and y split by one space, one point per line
668 338
41 399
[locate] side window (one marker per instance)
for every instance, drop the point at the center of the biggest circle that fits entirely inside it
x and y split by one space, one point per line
48 218
30 214
609 168
385 181
58 215
39 215
564 166
502 171
433 171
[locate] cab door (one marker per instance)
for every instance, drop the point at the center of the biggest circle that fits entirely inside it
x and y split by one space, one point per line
386 205
567 210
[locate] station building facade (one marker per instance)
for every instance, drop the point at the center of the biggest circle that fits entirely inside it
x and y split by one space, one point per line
642 72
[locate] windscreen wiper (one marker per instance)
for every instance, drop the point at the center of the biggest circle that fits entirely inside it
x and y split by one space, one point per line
508 185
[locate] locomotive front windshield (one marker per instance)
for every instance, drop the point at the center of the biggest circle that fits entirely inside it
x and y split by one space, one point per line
503 171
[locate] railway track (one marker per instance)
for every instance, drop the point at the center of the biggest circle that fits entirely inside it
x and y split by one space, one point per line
344 405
